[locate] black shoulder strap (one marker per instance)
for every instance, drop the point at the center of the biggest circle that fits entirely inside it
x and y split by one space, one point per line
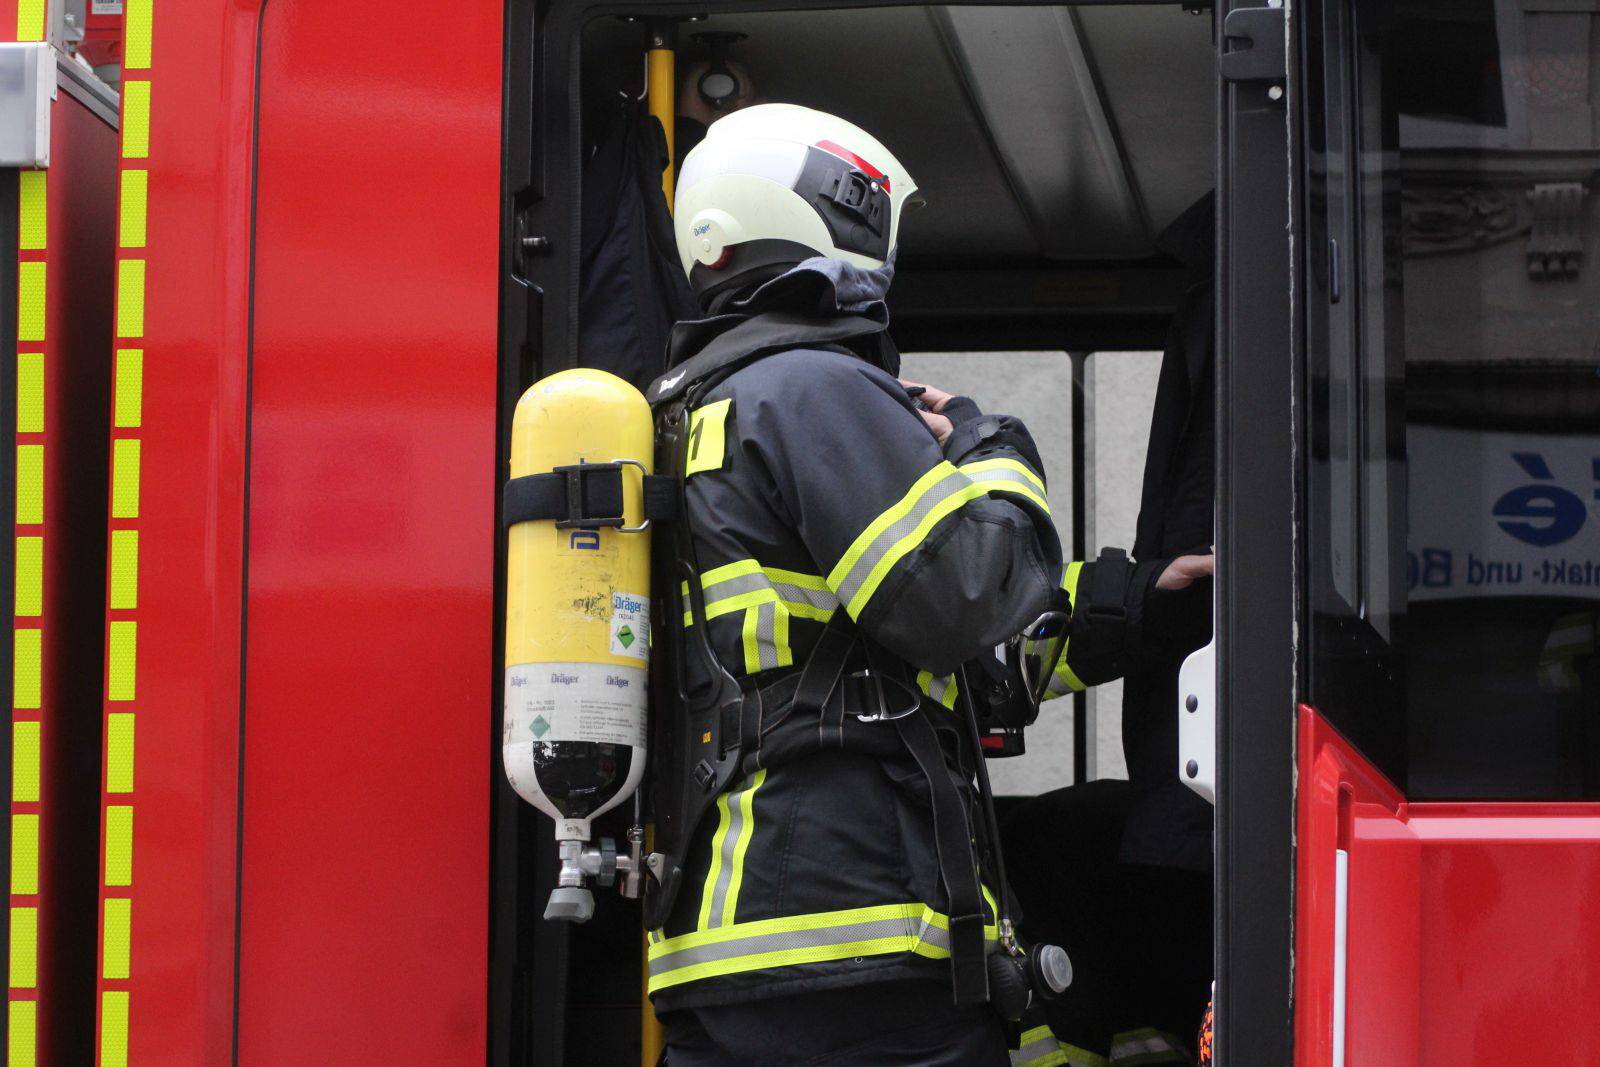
755 337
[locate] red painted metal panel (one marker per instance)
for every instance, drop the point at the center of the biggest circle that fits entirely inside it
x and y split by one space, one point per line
1510 933
180 676
372 490
1345 803
1384 944
1472 939
80 208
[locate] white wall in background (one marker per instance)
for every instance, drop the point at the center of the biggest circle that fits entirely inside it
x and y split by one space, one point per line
1037 388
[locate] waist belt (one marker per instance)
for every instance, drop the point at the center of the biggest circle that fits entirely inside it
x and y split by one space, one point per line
841 701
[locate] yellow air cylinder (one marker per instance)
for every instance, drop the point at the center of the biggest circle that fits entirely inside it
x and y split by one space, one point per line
578 609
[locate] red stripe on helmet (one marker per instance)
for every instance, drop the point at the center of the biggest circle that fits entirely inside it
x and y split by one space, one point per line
850 157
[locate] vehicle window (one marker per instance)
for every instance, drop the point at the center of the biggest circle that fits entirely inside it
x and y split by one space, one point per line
1470 556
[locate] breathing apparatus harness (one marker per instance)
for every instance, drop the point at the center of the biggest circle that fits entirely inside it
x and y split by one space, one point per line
719 733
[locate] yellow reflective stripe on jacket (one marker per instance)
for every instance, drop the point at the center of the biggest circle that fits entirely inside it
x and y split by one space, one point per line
719 899
746 583
1003 475
738 948
897 532
941 689
1145 1046
1039 1047
769 598
1064 681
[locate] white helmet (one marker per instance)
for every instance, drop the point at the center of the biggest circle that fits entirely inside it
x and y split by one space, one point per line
775 184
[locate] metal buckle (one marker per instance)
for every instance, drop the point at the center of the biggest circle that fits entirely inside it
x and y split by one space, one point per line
884 713
576 518
645 525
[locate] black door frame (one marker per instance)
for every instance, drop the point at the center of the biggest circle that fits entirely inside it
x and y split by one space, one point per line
1258 352
1259 347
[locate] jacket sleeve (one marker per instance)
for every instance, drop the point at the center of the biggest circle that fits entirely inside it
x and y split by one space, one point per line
937 557
1121 622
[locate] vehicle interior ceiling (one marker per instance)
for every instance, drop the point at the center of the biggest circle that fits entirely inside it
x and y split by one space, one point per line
1052 145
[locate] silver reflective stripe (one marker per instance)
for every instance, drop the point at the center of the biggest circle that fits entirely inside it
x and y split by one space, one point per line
799 594
1147 1046
938 685
948 486
822 601
785 940
1012 479
1073 1056
736 585
730 844
766 636
1036 1045
721 892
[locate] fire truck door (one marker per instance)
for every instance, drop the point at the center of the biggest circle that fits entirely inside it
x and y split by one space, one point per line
1255 487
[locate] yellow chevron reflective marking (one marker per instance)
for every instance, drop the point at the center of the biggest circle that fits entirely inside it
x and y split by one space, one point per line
30 300
130 298
25 669
114 951
22 1034
30 20
124 569
30 576
114 1028
25 762
30 392
119 752
24 948
125 478
32 232
122 657
135 119
30 485
24 854
119 844
131 220
136 35
129 407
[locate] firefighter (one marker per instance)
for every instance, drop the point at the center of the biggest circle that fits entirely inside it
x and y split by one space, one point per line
1134 856
852 549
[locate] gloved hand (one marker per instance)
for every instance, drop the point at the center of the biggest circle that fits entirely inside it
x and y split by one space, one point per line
939 410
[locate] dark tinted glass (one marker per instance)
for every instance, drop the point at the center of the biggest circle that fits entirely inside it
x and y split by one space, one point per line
1458 425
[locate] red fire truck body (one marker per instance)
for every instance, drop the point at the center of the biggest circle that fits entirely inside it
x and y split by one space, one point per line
277 353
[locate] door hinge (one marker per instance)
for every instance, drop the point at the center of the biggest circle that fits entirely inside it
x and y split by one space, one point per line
525 246
1253 46
1197 721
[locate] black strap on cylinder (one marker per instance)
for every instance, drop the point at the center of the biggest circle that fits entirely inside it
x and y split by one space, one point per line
584 496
